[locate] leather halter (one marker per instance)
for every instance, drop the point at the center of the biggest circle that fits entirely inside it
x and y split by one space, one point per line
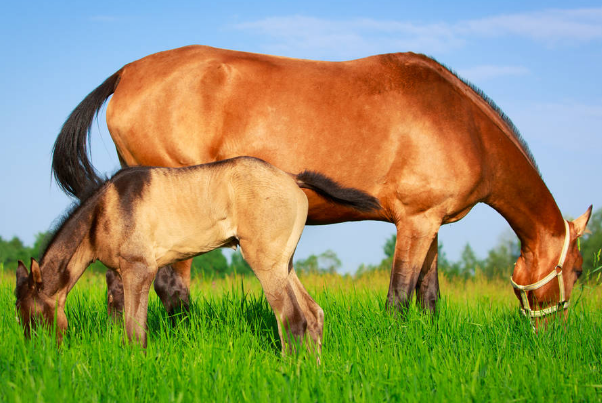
563 303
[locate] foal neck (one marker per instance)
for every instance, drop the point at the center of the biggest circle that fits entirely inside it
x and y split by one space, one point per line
68 254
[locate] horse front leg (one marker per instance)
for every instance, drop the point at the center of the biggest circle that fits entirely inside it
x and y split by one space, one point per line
427 287
137 277
414 240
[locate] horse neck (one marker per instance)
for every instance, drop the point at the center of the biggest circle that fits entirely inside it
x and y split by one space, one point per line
520 195
66 258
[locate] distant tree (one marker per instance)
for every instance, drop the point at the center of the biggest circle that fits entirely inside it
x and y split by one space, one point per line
500 260
326 262
385 264
389 247
591 244
442 261
42 239
239 265
467 265
13 251
211 264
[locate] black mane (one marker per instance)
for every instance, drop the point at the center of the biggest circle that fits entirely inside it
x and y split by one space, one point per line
513 129
94 188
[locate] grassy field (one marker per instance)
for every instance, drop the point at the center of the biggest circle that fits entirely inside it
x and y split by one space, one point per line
478 348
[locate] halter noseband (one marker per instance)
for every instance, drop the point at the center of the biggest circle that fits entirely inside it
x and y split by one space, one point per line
563 303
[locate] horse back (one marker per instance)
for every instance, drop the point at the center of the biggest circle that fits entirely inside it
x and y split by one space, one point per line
384 124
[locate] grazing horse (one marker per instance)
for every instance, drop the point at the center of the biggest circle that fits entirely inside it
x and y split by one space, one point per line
400 127
138 221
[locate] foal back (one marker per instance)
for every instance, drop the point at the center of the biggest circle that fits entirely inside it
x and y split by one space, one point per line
164 215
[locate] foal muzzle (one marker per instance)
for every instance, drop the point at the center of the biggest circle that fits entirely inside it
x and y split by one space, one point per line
557 272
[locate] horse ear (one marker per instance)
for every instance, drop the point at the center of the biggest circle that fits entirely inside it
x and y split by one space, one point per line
580 223
21 272
35 272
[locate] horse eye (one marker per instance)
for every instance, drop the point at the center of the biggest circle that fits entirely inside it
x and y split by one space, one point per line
579 273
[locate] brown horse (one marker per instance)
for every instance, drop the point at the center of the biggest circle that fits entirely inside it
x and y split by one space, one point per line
400 127
138 222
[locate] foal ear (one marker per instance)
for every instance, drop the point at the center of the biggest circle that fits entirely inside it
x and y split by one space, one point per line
580 223
21 272
35 272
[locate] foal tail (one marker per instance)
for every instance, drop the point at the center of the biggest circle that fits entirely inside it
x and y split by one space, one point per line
71 165
332 191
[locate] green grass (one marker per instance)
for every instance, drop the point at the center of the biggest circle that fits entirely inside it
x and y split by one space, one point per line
477 348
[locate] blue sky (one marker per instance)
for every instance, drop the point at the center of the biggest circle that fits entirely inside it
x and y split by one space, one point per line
539 61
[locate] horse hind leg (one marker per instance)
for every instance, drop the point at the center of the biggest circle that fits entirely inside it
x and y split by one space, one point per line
172 285
414 240
115 301
427 288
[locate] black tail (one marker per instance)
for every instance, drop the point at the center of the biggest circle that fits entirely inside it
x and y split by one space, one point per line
71 165
332 191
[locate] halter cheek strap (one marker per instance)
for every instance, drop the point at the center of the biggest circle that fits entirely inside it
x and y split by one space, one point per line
563 303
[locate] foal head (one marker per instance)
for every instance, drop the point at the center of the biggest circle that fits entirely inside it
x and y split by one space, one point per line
34 308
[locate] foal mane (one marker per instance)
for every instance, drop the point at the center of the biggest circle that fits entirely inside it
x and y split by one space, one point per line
60 223
513 129
94 189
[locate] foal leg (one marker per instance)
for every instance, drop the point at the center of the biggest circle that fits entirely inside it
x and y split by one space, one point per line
313 312
273 274
137 278
414 240
172 285
427 288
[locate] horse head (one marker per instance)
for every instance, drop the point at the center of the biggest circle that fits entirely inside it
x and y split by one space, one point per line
543 288
34 307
